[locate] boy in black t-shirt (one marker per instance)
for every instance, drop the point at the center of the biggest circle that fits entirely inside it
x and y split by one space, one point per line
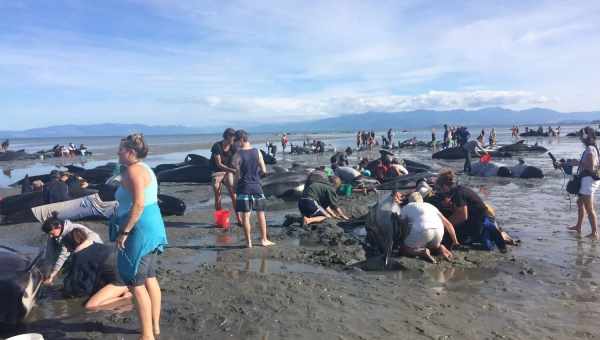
221 167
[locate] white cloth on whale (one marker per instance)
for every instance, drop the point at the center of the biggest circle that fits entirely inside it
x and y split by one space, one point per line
79 208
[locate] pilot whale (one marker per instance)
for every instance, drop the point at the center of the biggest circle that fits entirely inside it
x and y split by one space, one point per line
20 281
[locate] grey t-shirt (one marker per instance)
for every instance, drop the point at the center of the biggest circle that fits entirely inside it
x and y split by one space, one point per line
346 173
473 146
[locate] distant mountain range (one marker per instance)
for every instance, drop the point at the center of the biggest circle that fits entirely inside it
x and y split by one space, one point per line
99 130
429 118
350 122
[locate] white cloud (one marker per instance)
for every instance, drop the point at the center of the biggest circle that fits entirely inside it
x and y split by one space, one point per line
255 107
292 59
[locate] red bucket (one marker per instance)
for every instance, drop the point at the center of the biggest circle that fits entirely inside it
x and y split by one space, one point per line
222 218
485 158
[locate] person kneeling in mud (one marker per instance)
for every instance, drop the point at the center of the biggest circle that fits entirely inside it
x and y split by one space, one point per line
425 225
319 201
93 272
56 251
468 213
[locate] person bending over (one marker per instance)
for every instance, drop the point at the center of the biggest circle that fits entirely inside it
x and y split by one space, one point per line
472 147
56 252
222 169
93 272
426 229
319 201
467 212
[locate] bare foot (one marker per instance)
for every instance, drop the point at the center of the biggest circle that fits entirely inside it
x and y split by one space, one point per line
593 236
447 254
266 243
156 330
249 244
427 256
574 228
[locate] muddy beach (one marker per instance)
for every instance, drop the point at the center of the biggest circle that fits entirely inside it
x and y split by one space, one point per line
309 286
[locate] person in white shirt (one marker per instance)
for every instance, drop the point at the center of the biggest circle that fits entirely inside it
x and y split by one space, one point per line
426 226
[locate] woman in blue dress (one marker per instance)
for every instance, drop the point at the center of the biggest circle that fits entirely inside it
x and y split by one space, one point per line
141 232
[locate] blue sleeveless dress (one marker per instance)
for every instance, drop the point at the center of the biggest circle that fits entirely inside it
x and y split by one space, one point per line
149 233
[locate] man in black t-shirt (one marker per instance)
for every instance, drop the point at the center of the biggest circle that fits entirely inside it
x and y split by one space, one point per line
465 208
221 167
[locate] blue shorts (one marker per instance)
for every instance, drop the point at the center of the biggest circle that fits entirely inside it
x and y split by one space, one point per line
247 203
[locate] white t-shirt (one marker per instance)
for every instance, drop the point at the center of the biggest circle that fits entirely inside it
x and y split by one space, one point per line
592 150
422 216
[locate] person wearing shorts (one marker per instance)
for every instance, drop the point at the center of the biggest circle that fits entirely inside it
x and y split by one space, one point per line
249 165
587 170
221 167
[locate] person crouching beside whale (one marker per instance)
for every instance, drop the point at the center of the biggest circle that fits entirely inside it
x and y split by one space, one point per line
93 272
319 200
425 225
467 212
56 251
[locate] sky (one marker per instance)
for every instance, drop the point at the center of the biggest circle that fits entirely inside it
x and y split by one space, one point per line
208 63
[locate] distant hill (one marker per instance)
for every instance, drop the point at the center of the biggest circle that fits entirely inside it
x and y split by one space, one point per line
108 129
429 118
350 122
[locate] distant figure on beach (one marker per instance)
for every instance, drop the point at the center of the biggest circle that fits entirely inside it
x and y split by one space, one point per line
5 145
588 170
222 153
492 138
472 147
447 137
249 165
284 142
390 136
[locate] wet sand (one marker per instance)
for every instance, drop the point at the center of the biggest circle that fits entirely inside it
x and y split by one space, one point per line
308 286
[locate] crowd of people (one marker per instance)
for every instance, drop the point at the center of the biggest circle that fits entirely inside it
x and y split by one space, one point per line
69 150
433 219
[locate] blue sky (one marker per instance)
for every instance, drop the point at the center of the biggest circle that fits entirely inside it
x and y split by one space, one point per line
204 63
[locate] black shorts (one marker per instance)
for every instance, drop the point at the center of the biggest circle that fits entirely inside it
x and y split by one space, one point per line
247 203
310 208
146 269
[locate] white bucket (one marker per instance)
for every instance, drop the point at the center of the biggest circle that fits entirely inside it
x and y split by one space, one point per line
28 336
